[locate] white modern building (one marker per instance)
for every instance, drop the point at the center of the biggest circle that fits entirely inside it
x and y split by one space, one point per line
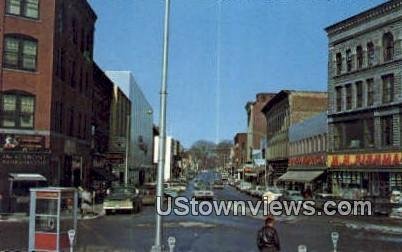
141 125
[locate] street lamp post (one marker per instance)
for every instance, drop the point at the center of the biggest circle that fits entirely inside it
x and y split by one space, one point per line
162 126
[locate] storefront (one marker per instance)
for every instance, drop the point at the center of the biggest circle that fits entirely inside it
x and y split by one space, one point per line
372 174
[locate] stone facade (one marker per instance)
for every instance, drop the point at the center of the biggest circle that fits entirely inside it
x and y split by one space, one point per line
365 96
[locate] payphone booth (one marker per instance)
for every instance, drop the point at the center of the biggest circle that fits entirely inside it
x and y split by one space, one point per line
53 212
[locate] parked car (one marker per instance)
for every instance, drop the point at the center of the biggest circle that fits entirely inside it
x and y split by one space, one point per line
148 193
204 193
178 186
218 185
258 191
271 194
396 213
243 186
123 199
291 195
250 189
321 198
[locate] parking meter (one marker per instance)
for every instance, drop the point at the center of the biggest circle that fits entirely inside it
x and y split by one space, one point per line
302 248
172 243
71 238
335 238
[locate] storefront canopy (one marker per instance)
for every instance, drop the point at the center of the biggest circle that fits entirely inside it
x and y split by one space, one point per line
26 177
300 176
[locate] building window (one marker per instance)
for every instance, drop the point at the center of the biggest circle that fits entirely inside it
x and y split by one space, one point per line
74 27
348 60
338 63
338 93
370 92
17 111
387 88
369 133
386 125
370 54
359 57
20 52
388 46
359 94
348 97
24 8
337 137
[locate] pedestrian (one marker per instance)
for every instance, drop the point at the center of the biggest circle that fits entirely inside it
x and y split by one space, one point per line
267 237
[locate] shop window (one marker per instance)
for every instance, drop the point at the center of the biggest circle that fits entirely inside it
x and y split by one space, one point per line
370 54
349 60
359 94
387 136
348 97
359 57
387 88
338 63
17 110
338 91
24 8
20 52
388 46
370 92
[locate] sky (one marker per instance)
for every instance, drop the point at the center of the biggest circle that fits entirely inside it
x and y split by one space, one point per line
221 54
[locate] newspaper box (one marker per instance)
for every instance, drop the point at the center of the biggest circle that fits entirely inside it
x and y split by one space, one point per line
53 213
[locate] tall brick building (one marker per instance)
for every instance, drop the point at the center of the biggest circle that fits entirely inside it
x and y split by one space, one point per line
282 111
365 100
256 123
239 152
46 87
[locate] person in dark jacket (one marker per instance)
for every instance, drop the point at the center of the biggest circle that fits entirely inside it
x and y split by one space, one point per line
267 237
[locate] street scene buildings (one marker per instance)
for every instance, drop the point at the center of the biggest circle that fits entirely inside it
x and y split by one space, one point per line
81 137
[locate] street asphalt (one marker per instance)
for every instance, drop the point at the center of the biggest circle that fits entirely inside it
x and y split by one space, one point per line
125 232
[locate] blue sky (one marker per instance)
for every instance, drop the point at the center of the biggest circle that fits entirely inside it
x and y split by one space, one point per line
262 46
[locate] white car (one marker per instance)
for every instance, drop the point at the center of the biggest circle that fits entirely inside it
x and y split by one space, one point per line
396 213
244 186
203 193
258 191
271 194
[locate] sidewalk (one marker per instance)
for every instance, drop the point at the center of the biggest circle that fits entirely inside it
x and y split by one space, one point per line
23 217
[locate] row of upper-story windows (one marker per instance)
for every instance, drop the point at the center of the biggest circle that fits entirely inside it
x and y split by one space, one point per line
387 55
23 8
354 93
309 145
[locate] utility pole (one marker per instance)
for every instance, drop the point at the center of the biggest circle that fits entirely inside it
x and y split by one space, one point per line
162 126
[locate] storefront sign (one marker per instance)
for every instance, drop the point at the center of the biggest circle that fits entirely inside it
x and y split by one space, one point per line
11 142
371 159
115 158
310 160
47 195
21 158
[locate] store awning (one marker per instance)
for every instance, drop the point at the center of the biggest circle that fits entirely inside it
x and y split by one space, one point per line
26 177
300 176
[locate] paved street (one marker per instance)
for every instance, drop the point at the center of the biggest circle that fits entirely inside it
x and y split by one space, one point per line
222 233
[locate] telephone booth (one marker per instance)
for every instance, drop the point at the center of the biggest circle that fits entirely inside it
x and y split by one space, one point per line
53 212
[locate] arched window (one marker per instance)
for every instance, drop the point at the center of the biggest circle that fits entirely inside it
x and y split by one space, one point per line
359 57
338 63
370 54
20 52
17 110
388 46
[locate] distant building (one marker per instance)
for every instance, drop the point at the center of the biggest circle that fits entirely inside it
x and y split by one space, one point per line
308 154
365 101
141 127
285 109
239 153
256 123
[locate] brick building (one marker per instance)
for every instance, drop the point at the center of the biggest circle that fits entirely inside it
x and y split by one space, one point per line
239 152
46 89
256 123
365 101
282 111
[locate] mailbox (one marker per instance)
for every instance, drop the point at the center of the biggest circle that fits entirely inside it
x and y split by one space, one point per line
53 213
